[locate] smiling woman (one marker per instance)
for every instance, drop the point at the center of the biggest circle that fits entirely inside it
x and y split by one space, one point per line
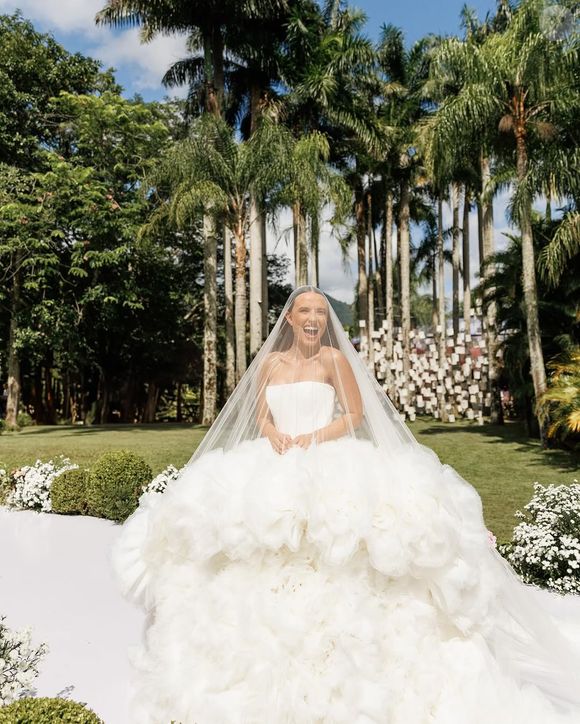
352 572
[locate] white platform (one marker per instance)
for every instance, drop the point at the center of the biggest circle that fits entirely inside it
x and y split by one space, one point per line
55 576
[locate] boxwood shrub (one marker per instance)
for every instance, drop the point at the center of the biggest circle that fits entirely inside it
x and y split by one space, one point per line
115 484
47 711
68 492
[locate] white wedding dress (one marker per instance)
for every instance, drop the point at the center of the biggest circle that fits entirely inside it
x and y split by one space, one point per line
334 585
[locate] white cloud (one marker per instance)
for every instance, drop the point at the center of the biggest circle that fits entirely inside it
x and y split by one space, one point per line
65 16
334 278
143 64
146 63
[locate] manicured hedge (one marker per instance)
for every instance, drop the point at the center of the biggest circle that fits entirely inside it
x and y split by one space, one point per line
68 492
115 484
47 711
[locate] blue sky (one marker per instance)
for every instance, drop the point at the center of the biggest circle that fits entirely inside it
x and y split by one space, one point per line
139 68
419 17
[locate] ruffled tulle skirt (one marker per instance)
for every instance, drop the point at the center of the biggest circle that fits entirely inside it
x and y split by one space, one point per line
340 585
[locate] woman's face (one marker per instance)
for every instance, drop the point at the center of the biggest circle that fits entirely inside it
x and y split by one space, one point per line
308 318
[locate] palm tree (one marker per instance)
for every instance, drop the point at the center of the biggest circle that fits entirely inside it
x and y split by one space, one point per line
455 231
466 251
403 73
207 25
558 309
329 67
211 171
514 82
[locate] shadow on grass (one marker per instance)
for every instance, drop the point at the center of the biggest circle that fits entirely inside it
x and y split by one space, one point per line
74 430
512 433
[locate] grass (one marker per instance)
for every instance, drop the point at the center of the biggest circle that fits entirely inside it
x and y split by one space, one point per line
160 445
499 461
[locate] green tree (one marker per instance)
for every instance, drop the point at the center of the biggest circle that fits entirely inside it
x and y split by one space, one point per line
558 311
212 172
33 69
403 74
517 82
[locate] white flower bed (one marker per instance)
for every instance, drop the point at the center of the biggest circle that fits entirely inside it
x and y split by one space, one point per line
160 482
32 483
19 662
545 549
5 485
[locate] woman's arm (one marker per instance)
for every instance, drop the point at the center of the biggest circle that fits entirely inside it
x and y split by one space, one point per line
279 441
263 415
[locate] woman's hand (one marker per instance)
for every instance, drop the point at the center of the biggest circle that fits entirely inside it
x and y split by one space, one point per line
303 441
279 441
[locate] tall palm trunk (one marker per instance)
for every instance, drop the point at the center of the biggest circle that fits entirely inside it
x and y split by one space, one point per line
363 292
214 85
377 276
256 277
213 48
256 244
466 264
389 315
538 371
265 300
300 245
455 257
210 321
315 246
13 400
441 328
230 381
480 234
371 280
480 247
434 308
405 271
240 302
491 311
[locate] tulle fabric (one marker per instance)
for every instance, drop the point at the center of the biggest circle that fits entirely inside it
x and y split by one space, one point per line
352 581
303 589
238 421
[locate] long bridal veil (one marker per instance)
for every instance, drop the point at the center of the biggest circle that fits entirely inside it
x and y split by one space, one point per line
430 527
239 419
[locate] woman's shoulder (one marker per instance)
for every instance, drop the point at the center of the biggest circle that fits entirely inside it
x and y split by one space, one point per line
270 361
331 354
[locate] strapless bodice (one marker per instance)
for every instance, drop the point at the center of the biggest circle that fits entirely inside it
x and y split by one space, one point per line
301 407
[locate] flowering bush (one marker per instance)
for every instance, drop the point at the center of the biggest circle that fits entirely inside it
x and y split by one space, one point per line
32 483
160 482
545 548
18 662
5 485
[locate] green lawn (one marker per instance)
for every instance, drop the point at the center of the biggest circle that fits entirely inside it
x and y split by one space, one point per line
501 462
160 445
498 460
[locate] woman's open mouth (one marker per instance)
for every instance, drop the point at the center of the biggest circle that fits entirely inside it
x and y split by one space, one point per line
311 331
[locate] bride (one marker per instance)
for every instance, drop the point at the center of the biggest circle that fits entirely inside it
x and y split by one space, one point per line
314 563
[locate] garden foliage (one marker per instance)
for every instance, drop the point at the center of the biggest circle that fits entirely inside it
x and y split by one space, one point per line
19 660
545 549
116 482
48 711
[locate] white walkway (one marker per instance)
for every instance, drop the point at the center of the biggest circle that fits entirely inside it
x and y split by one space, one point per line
55 576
